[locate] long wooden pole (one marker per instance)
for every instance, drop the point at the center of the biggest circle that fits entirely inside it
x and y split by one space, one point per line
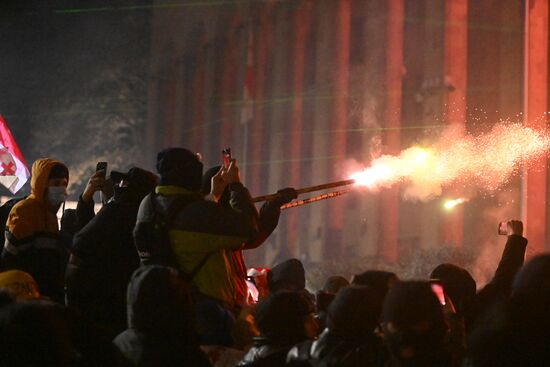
304 190
315 198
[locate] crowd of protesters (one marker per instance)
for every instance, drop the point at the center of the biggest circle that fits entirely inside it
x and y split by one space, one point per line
157 278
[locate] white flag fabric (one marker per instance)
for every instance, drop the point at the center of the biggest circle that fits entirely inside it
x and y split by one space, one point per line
13 170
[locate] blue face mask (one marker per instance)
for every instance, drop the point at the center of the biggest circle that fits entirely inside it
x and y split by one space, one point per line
57 194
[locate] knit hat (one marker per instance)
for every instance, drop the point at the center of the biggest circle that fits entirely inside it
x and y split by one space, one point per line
180 167
20 284
288 275
377 279
334 283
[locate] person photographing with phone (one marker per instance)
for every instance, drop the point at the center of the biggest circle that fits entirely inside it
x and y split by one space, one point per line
177 226
103 256
268 219
461 287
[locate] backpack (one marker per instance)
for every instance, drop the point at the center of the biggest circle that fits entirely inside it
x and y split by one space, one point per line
5 210
161 223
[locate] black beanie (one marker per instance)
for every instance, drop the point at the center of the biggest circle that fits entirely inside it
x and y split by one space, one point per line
377 279
289 274
334 283
179 167
355 311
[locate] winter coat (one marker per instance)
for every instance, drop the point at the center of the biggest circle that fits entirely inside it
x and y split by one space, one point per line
268 353
201 232
160 321
499 288
332 350
32 236
102 261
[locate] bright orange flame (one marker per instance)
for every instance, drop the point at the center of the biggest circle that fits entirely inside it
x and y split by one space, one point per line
372 176
450 204
483 162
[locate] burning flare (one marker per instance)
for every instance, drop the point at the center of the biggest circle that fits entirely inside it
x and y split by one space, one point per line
483 162
452 203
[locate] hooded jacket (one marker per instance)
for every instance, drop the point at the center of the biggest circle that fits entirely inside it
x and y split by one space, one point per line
103 258
280 319
32 235
202 235
267 222
349 339
160 321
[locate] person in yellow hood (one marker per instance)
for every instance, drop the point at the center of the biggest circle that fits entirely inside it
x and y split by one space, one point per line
32 232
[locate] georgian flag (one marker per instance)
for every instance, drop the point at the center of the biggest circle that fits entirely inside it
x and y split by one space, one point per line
13 170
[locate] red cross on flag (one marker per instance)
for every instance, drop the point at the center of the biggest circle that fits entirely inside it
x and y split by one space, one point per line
13 170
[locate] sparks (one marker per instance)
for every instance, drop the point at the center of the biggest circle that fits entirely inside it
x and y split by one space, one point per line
484 162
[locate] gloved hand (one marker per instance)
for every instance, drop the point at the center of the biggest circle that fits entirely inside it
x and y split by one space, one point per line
285 196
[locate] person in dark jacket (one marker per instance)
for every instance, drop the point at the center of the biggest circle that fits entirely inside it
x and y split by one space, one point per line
349 339
32 241
283 319
103 256
35 334
325 296
414 326
202 235
268 220
461 287
160 321
517 333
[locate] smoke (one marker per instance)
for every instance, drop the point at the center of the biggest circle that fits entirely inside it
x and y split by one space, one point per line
491 245
481 163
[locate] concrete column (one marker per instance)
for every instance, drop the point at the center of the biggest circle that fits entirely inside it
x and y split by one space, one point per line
455 74
389 205
535 107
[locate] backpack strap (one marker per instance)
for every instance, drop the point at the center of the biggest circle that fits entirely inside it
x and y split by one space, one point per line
168 219
189 277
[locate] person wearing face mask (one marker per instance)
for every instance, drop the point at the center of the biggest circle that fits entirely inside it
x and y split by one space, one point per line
103 256
32 233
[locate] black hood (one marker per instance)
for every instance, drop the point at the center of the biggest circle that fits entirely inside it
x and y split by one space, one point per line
288 275
376 279
159 302
354 312
530 298
458 284
280 317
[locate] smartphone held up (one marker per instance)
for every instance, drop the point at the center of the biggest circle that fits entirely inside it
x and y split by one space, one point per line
101 166
503 228
226 157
